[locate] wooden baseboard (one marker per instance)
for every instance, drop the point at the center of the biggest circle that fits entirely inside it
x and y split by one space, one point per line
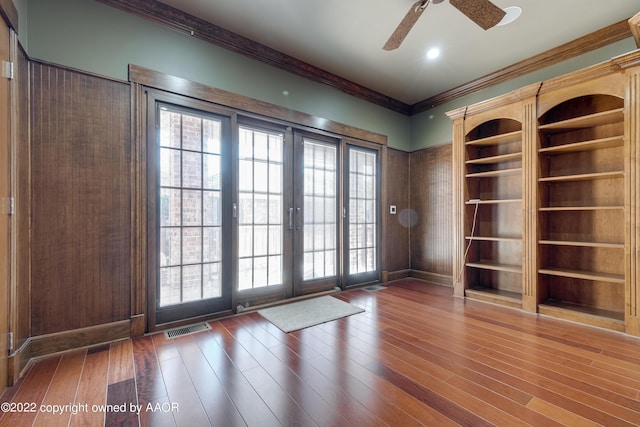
138 325
62 341
436 279
397 275
18 361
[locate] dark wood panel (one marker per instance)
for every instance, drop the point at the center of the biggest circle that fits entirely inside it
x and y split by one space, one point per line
431 202
417 356
396 180
20 297
81 200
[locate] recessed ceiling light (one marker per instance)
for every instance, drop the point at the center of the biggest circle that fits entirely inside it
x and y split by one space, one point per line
513 12
433 53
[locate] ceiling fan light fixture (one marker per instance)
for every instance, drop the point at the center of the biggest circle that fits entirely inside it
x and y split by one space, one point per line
512 13
483 12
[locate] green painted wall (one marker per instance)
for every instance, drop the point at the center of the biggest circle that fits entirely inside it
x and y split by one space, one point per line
90 36
433 127
21 7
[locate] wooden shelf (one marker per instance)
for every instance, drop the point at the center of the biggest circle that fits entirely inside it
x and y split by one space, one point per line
585 275
582 244
495 239
561 200
584 314
488 265
496 296
588 121
504 138
495 159
495 173
597 144
583 177
494 202
580 208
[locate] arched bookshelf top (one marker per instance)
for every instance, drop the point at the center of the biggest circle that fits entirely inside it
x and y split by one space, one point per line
596 105
494 128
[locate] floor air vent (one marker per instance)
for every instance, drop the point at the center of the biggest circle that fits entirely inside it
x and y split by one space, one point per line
375 288
187 330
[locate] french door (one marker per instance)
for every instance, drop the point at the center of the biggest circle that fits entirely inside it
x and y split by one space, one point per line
362 228
287 214
315 205
261 234
243 211
190 213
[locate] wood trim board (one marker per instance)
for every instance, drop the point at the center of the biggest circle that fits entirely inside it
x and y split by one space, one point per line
173 84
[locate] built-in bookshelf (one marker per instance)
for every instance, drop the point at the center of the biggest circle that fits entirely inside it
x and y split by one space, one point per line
546 184
581 214
493 212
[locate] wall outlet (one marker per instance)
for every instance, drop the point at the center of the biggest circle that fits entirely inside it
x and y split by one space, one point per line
392 209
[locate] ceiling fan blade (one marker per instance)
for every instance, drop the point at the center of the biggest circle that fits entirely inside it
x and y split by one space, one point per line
482 12
405 25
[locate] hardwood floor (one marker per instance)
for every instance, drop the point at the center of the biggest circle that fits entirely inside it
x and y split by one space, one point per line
416 356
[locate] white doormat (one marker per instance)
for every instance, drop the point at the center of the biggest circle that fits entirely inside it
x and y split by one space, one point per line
302 314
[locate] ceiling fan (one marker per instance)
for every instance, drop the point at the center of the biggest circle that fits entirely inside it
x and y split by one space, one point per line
482 12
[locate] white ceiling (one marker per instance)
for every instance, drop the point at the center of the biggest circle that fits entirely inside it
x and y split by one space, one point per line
345 37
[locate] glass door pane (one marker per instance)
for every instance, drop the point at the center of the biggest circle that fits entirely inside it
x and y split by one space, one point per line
316 207
260 208
189 214
362 226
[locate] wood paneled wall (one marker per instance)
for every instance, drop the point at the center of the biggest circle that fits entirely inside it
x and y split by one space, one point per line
22 191
81 200
397 231
431 202
81 203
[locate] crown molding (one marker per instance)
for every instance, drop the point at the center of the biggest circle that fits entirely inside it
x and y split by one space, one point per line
185 23
597 39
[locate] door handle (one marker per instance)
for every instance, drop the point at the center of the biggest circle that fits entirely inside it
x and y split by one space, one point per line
297 218
290 218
